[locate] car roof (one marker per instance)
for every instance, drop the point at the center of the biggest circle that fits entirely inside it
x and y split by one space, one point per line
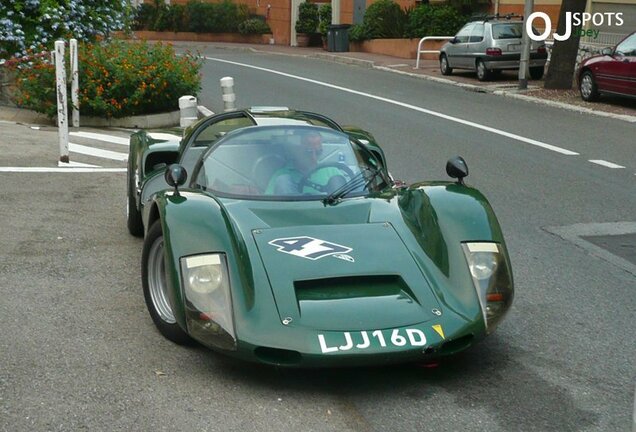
510 18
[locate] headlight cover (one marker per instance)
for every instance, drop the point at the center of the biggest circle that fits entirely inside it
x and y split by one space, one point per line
491 278
208 303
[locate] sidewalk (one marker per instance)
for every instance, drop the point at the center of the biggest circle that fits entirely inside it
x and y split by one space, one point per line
504 85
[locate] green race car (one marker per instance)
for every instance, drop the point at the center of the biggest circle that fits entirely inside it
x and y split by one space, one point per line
278 236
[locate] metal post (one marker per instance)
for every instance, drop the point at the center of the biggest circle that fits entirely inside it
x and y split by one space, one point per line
60 87
525 53
74 83
227 90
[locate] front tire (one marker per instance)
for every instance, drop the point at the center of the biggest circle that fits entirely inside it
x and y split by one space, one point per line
483 74
444 68
153 278
588 87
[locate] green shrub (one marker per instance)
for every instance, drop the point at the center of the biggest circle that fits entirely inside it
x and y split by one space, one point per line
221 17
307 18
437 20
384 19
357 33
254 26
117 79
170 18
144 16
324 13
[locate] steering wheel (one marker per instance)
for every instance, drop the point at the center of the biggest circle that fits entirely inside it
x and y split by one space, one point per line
334 182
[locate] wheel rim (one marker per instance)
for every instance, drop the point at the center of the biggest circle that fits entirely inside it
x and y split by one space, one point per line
157 282
444 65
481 70
586 86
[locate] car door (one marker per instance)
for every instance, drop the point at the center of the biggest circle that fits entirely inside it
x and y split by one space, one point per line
456 52
620 72
475 46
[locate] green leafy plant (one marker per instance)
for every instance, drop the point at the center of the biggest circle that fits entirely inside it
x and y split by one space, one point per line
324 12
307 18
384 19
434 20
357 33
254 26
117 79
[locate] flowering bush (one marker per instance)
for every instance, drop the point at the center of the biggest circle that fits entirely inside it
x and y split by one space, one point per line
35 24
117 79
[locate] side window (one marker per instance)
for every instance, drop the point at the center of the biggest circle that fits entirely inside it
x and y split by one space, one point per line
464 34
627 47
214 131
477 35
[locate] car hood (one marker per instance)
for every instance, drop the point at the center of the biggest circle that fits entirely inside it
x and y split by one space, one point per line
334 270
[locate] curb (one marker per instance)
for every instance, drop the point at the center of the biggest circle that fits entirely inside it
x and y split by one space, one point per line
161 120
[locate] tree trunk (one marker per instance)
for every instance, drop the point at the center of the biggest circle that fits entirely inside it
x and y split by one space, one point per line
561 71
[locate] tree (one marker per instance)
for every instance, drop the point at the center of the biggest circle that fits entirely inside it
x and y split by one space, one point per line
561 71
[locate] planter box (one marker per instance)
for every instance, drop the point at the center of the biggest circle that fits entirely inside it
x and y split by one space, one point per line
402 48
199 37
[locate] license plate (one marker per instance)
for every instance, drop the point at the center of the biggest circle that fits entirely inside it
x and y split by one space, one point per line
514 48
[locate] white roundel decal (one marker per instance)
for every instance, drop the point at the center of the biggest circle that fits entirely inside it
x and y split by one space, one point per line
311 248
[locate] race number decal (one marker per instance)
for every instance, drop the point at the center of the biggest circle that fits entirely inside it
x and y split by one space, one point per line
309 247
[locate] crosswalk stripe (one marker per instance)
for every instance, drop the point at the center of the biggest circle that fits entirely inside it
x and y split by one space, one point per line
101 137
75 165
90 151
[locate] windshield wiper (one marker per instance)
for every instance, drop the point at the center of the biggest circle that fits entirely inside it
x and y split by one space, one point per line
356 181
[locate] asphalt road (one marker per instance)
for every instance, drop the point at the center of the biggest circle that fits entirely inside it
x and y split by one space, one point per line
78 350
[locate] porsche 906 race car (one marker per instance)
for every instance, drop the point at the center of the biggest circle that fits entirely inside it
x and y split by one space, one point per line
279 237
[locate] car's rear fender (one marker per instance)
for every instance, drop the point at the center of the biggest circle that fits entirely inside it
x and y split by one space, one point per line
151 151
368 140
440 217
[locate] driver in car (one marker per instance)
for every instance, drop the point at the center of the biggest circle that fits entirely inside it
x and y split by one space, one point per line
303 171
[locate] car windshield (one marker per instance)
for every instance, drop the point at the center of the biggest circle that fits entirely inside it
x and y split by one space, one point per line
288 162
507 31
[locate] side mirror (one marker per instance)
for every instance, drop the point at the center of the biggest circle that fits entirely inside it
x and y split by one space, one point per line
453 40
607 51
456 168
176 176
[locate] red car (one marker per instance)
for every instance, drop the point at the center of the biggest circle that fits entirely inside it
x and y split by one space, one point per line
613 71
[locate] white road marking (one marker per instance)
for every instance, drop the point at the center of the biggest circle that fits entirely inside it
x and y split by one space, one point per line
60 170
605 163
73 164
101 137
107 154
409 106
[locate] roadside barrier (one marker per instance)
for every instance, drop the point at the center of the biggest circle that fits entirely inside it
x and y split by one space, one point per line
424 39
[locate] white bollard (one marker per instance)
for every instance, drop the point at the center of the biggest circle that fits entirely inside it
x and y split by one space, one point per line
60 87
74 83
227 90
189 112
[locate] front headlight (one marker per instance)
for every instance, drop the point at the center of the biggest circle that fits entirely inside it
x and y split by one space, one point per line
491 278
208 302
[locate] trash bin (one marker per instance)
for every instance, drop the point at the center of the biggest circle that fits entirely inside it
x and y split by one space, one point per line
338 38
